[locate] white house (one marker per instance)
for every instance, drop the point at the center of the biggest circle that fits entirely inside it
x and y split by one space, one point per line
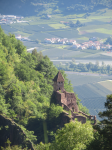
47 41
18 37
82 47
94 47
76 46
97 47
70 42
74 42
108 46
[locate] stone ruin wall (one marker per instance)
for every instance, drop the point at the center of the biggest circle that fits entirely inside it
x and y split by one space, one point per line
75 115
68 100
65 107
64 100
58 97
58 86
71 101
61 98
70 95
89 117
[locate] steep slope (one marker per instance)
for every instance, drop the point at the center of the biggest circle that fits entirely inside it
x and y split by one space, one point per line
10 130
26 88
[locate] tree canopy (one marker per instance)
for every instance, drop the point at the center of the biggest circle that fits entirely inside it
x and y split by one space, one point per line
73 136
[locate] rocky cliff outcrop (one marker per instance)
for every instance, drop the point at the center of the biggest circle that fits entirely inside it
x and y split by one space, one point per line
12 131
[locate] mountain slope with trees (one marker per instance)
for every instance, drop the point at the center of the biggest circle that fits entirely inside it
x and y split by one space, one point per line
26 90
25 82
22 7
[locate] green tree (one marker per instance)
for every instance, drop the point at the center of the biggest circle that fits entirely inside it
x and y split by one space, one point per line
89 66
108 68
103 138
20 48
73 136
109 40
78 22
105 127
4 75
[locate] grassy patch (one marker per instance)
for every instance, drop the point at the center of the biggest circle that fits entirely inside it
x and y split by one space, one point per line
105 31
107 84
98 30
57 26
83 38
62 46
67 33
23 33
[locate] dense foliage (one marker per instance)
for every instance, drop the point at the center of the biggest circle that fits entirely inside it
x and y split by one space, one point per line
26 89
25 82
89 67
102 138
76 135
109 40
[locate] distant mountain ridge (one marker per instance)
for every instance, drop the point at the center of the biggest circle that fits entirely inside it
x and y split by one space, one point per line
22 7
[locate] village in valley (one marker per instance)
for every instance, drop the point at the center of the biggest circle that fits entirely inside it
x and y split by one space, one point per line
21 38
10 19
91 44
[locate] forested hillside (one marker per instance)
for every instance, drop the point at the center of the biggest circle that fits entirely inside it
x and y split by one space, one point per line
36 7
25 82
26 89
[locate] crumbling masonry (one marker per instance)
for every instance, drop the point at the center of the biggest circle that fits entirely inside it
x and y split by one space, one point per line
68 100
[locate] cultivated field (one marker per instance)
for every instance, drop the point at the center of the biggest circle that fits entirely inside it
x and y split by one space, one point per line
107 84
96 24
92 91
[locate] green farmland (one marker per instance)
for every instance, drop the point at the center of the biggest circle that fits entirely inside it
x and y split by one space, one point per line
92 90
96 24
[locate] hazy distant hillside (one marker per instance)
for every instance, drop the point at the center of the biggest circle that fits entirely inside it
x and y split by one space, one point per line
84 5
16 7
33 7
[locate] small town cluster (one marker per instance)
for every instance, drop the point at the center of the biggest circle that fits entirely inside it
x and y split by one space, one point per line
19 37
91 44
10 19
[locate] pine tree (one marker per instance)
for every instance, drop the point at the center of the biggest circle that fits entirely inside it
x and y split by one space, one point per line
105 126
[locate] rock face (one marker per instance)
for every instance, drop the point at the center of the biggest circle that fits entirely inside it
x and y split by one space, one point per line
10 130
68 100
